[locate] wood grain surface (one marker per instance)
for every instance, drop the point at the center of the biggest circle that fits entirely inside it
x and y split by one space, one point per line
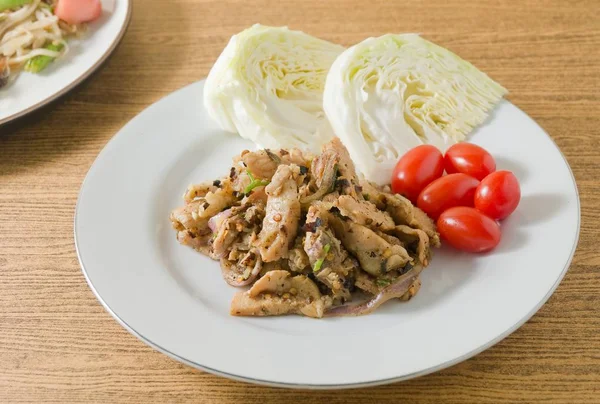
57 344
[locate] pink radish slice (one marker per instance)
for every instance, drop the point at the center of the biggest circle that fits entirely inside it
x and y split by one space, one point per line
78 11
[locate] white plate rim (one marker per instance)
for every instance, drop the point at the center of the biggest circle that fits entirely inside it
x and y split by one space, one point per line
378 382
82 77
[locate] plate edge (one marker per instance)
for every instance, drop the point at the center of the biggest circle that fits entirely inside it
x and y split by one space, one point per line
82 77
371 383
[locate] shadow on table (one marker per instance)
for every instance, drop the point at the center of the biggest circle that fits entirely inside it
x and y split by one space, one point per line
442 386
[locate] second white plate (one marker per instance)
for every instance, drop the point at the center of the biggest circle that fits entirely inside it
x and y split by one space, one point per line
32 91
174 299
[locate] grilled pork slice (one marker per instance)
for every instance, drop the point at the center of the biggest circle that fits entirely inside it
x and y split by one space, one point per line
416 241
298 261
194 216
401 210
280 224
347 180
276 293
200 190
375 286
329 261
192 220
263 163
364 213
375 254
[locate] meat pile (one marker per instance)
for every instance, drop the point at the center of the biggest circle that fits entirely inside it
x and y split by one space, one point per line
307 234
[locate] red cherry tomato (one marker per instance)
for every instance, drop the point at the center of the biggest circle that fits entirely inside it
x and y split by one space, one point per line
470 159
416 169
447 192
498 195
468 229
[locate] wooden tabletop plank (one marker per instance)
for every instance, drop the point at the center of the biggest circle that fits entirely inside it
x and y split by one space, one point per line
58 345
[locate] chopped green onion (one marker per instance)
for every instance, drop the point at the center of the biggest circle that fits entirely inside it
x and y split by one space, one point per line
320 261
383 282
38 63
254 183
10 4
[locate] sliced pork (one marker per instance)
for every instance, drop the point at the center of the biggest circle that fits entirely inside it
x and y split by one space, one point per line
305 232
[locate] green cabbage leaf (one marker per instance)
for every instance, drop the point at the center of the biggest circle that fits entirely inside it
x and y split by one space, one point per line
267 85
389 94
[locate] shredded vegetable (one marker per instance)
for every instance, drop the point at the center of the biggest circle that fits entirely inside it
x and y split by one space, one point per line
10 4
386 95
383 282
31 36
320 261
39 63
254 183
267 85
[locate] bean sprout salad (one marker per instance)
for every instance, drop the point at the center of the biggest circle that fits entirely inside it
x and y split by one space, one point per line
34 33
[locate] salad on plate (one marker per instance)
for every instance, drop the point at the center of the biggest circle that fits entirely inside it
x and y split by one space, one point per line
338 209
35 33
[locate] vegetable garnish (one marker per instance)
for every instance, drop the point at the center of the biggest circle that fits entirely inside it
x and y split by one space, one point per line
416 169
254 183
34 33
320 261
12 4
387 95
467 229
446 192
383 282
470 159
267 85
39 63
498 195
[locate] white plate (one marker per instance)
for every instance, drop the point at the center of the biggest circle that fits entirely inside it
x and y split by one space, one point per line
32 91
174 299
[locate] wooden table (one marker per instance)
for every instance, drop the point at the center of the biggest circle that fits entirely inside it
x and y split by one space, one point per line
57 344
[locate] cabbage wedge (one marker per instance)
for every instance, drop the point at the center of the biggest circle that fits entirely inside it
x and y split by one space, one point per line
267 85
387 95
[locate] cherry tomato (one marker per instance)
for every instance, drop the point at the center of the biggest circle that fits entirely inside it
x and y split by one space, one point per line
468 229
446 192
498 195
470 159
416 169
